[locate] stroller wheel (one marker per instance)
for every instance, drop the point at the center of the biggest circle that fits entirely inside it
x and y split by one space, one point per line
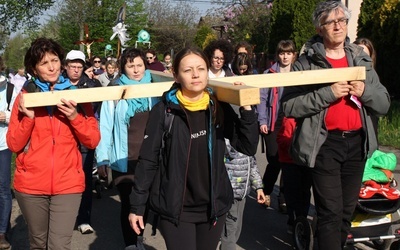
382 244
303 237
395 245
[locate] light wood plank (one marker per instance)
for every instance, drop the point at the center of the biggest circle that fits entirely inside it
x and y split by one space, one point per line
223 87
300 77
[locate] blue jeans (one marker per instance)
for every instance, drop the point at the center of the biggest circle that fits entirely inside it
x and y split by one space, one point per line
5 191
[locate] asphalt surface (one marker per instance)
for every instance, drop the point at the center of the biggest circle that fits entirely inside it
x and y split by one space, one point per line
262 229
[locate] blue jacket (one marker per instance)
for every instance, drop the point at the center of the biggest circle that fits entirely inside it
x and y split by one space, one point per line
113 147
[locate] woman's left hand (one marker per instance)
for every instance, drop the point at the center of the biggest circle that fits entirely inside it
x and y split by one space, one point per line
247 107
68 108
357 88
136 222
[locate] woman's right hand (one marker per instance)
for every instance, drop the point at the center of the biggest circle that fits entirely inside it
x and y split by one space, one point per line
102 171
30 113
247 107
136 221
264 129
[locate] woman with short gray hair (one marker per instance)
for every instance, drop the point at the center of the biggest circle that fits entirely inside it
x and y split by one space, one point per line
334 133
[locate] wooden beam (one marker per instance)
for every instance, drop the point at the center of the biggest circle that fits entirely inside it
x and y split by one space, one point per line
238 95
223 87
300 77
96 94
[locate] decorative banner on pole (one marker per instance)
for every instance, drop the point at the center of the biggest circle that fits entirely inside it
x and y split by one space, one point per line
120 29
143 37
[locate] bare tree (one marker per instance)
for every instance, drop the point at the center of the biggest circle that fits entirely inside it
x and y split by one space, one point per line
171 27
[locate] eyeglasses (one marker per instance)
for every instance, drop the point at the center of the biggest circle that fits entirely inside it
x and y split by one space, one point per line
75 67
97 61
216 58
149 58
331 24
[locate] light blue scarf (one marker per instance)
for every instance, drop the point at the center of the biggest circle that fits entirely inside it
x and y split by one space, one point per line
136 105
62 83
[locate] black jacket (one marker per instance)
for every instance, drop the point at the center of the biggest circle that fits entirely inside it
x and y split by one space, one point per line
168 183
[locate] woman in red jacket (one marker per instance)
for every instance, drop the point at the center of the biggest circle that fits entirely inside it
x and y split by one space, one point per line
49 179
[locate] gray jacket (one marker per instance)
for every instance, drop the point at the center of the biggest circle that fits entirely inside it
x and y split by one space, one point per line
308 104
104 80
242 171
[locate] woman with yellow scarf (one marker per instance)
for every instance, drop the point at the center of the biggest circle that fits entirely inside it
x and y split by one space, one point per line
188 185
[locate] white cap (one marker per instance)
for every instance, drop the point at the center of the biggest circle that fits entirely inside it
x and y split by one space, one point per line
76 55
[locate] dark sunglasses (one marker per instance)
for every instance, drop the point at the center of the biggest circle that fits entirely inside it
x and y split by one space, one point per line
149 58
96 61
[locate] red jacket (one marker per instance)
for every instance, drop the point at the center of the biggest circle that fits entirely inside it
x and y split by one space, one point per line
284 139
49 161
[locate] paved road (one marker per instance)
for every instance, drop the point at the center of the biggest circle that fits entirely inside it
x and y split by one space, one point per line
262 229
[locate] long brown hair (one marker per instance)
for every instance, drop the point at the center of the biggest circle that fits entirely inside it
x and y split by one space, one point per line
367 43
240 60
175 70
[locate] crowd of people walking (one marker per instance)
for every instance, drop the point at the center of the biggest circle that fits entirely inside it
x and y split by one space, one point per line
187 156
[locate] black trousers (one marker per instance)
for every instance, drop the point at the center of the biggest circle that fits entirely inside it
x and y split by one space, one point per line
273 168
85 208
124 191
297 181
337 180
194 236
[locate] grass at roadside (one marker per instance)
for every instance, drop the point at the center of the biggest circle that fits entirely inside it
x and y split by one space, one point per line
389 126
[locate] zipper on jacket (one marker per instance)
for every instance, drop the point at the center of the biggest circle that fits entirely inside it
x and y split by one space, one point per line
187 164
54 133
210 153
248 177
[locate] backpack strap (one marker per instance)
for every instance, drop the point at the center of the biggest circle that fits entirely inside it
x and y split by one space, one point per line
10 90
168 120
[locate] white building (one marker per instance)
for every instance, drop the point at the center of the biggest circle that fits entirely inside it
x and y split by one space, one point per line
354 6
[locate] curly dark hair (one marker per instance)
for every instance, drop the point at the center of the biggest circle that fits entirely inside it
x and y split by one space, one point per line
128 55
223 45
38 49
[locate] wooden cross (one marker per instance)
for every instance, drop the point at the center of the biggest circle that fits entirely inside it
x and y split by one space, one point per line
88 41
224 89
